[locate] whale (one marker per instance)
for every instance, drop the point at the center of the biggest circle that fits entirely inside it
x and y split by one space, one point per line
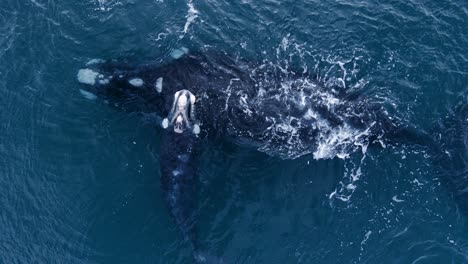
205 97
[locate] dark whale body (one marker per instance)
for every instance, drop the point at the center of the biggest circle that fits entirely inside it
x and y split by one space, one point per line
282 112
248 105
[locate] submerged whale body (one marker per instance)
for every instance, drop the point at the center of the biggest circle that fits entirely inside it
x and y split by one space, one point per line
200 97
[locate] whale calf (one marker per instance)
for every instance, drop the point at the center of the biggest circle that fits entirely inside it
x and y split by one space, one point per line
204 97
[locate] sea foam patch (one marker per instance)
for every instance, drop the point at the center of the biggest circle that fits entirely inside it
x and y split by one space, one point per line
192 14
87 76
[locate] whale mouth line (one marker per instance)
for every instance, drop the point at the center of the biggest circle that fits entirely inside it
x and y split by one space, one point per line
182 114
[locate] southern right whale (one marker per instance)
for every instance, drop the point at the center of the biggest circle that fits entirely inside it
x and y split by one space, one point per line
283 112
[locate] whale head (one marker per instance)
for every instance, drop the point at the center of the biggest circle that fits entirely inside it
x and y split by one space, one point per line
182 114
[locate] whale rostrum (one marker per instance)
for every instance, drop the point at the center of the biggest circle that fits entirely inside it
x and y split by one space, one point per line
182 115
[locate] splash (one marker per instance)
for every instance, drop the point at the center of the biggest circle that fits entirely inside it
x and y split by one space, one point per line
103 5
192 14
306 99
307 113
341 141
348 185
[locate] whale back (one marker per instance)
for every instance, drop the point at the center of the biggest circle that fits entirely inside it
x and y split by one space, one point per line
282 112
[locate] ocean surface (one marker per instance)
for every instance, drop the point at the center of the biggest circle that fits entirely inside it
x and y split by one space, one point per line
79 180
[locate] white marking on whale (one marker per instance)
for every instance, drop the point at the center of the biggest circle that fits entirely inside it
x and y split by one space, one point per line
137 82
175 54
196 129
159 83
87 76
165 123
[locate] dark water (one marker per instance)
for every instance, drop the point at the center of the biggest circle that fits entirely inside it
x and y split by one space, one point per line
80 181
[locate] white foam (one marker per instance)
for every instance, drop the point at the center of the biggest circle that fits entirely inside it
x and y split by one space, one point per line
179 52
88 95
159 83
337 141
137 82
87 76
366 237
192 14
310 115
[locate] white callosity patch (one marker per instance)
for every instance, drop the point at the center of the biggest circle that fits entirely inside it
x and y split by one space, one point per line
165 123
87 76
176 54
159 85
196 129
104 81
90 77
137 82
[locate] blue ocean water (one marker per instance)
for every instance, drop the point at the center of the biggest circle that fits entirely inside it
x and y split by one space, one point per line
79 181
